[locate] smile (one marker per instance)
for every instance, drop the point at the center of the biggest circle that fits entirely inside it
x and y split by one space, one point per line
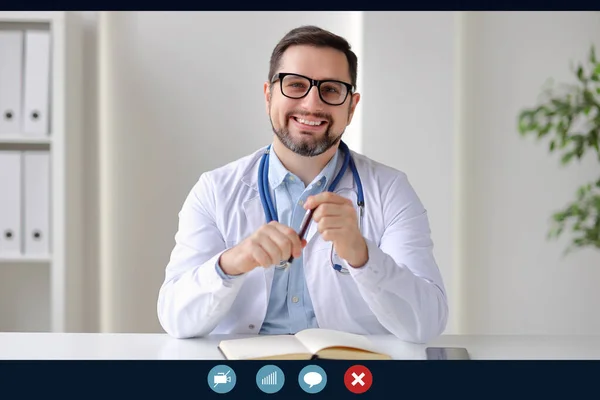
306 122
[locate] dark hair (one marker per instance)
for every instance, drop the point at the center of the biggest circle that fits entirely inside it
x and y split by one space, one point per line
313 36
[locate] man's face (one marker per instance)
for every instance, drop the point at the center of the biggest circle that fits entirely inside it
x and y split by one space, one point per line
309 126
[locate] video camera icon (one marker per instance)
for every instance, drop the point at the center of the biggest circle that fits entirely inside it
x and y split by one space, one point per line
221 379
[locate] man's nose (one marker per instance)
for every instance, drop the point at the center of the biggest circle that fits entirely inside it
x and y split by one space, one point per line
312 101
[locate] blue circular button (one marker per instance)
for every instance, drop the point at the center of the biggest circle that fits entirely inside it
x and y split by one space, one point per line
312 379
270 379
221 379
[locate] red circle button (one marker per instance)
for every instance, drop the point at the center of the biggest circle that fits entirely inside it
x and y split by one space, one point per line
358 379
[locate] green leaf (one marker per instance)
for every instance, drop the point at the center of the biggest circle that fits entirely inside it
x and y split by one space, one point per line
593 140
523 125
581 193
558 114
566 158
580 73
588 96
558 217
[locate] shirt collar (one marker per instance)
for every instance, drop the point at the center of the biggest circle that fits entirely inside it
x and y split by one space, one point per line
278 173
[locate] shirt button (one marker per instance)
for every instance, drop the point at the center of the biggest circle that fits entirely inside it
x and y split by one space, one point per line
319 183
251 326
300 202
294 299
291 178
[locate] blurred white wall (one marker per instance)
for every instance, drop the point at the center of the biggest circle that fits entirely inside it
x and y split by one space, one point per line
408 114
515 281
441 92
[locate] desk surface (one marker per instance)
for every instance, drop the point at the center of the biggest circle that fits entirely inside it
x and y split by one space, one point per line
161 346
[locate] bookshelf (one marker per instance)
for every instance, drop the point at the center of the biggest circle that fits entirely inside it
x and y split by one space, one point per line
41 290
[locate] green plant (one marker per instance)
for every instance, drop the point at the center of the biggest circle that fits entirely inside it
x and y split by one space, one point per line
570 116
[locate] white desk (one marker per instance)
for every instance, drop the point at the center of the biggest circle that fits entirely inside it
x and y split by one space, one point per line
124 346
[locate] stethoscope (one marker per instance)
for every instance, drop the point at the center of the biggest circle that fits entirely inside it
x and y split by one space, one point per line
271 213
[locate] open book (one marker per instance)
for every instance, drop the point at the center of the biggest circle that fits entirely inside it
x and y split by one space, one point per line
305 345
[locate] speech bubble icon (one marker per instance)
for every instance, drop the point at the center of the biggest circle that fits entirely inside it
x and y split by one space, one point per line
312 379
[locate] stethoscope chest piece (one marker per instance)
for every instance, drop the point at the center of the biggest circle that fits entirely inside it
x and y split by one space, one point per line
337 267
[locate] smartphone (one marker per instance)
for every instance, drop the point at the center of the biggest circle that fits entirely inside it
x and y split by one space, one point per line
447 353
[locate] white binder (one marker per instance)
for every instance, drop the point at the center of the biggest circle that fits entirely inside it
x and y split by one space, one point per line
36 121
10 203
11 72
36 165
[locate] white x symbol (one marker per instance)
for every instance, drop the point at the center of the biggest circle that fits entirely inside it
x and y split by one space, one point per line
358 379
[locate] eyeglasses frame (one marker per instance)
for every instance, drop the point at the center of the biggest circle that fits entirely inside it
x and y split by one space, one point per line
313 82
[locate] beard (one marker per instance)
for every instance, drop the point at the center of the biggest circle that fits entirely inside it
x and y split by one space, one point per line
309 147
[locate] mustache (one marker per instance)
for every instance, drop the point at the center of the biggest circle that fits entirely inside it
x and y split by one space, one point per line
302 113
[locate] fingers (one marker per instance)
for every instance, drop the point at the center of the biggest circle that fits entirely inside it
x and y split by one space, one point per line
335 216
330 210
333 228
333 234
275 242
325 197
293 238
260 256
328 223
272 249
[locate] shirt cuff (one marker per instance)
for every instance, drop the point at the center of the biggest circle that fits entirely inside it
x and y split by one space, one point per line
222 274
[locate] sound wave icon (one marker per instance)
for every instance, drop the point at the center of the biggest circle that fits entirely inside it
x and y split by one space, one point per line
270 379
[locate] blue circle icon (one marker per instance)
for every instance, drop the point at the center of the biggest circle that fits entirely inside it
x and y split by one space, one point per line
270 379
221 379
312 379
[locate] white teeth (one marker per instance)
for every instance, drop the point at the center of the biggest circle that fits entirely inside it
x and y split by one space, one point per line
305 122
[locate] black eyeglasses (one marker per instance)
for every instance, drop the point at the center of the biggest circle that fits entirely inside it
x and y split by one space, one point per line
297 86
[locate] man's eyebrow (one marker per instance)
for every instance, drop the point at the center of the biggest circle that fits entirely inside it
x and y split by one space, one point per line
332 79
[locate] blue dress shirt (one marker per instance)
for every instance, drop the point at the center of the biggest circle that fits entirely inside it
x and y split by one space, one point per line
290 309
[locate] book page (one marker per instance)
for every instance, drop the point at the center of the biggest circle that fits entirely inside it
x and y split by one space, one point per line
262 347
319 339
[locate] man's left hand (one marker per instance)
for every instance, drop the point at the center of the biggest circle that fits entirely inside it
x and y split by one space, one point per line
338 223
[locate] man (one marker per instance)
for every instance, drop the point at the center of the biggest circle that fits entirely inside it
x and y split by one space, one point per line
366 272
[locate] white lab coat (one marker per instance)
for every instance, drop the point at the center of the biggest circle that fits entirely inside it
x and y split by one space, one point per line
398 291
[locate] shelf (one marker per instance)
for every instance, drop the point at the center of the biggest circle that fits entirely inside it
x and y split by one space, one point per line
25 259
43 290
17 139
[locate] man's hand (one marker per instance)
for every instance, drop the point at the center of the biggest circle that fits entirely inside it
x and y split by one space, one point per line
269 245
338 223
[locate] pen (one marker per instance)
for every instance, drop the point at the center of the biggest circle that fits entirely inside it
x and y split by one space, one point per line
303 228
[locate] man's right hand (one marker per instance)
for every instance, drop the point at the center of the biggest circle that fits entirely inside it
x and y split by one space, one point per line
269 245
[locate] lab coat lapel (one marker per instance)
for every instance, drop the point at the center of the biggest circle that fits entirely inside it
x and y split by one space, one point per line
255 216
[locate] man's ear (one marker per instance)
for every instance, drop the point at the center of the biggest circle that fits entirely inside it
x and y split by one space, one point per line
353 102
267 91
